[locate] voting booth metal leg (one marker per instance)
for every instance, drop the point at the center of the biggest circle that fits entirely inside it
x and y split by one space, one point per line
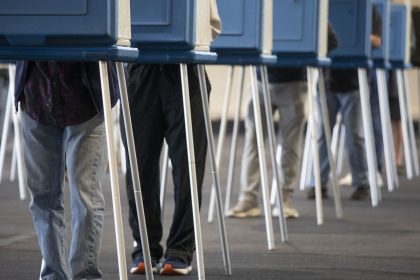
340 147
404 124
235 132
134 170
390 164
273 195
214 169
312 85
192 170
116 203
164 178
414 153
17 142
221 139
13 166
122 150
6 125
306 167
18 151
327 133
261 156
273 145
368 132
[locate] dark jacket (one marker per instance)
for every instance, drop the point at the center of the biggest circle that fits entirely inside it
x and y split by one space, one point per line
91 78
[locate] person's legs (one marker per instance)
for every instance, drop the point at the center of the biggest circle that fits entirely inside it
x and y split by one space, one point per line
351 110
86 161
181 241
146 115
44 163
250 178
333 107
290 136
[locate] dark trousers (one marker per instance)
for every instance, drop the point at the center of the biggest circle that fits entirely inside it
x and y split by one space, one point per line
155 98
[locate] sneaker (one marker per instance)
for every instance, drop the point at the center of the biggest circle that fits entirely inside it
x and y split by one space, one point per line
379 180
401 170
289 212
174 266
138 267
244 209
311 193
360 193
346 180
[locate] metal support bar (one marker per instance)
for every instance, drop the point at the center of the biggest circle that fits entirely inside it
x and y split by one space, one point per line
164 178
312 84
390 164
306 167
192 171
214 169
404 124
116 203
274 182
222 134
261 156
327 133
128 127
235 132
272 141
413 142
368 132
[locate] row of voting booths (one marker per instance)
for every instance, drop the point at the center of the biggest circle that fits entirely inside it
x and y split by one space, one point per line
255 34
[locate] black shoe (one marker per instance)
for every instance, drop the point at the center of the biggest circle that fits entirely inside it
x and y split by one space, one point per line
401 171
311 193
360 193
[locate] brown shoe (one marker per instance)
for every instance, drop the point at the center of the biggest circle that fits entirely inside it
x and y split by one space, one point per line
360 193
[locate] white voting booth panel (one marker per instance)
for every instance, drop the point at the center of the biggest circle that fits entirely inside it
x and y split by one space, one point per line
171 24
47 22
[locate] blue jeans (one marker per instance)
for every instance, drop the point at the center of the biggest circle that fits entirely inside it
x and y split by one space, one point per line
48 150
349 105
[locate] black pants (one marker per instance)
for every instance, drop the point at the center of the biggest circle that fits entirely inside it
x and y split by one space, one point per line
155 98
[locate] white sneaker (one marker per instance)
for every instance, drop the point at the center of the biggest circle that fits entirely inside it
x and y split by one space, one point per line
379 180
346 181
289 212
244 209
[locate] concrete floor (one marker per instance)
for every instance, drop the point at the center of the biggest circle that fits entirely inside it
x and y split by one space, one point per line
368 243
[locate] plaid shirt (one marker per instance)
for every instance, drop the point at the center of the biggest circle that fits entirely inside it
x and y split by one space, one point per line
55 93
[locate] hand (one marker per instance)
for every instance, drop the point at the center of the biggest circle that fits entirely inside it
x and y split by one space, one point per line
375 41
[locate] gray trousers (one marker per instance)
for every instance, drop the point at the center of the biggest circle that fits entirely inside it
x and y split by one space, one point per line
288 101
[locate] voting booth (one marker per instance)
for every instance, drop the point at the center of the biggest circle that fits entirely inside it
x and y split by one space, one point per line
352 21
399 49
78 30
247 28
170 24
300 31
48 22
380 55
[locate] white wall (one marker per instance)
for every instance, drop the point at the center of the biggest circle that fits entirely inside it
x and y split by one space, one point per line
218 78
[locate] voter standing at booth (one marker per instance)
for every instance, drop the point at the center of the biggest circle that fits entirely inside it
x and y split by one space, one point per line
287 89
155 98
63 133
343 96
